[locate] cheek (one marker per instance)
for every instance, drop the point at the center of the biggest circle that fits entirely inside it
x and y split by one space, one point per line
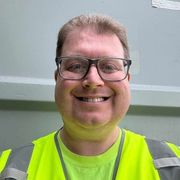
123 96
63 91
62 87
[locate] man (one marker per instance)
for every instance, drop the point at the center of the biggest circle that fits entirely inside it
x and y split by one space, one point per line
92 94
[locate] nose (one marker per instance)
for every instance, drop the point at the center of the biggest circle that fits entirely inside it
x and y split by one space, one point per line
92 79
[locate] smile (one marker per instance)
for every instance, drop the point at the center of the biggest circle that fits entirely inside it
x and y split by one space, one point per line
97 99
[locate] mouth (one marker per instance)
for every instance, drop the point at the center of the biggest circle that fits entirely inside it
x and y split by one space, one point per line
94 100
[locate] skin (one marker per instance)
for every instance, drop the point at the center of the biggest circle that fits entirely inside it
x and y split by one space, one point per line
90 128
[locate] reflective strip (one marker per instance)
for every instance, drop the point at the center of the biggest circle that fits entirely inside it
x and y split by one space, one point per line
18 162
13 173
166 162
159 149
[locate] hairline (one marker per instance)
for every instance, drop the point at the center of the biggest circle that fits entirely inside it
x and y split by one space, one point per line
100 24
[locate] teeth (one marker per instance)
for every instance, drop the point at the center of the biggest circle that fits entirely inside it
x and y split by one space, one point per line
99 99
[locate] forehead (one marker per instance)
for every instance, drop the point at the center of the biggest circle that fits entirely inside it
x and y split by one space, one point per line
88 42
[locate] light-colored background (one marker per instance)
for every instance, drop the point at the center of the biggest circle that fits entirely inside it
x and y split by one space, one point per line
28 32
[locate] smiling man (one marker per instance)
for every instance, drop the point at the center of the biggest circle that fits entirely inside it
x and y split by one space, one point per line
92 94
91 105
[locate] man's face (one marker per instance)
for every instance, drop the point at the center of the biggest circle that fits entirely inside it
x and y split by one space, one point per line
92 102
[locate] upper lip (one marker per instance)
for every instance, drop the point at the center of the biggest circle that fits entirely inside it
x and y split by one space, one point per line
92 96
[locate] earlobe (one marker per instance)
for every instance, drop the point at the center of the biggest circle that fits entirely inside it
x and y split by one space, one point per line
129 76
55 75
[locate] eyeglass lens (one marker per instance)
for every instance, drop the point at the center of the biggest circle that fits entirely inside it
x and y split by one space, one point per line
108 68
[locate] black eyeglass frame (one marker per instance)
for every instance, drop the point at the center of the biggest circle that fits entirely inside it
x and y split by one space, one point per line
92 61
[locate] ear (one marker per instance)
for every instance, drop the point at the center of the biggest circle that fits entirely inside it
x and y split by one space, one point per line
55 75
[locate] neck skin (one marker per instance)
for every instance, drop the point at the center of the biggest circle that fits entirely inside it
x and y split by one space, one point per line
89 147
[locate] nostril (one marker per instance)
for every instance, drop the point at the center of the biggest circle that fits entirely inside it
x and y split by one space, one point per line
91 84
86 85
92 79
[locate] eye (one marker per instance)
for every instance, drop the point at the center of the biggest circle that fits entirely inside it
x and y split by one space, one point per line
74 66
110 66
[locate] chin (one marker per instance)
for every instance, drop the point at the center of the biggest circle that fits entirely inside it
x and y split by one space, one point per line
92 123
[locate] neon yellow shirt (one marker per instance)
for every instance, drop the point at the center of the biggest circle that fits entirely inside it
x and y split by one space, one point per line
90 167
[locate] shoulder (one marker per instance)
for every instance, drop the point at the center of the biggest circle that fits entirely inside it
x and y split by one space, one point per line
161 156
44 139
133 137
24 152
152 144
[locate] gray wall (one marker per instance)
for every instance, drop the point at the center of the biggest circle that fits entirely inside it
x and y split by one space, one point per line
28 32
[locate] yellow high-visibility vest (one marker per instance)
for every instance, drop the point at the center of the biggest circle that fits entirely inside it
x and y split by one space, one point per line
140 159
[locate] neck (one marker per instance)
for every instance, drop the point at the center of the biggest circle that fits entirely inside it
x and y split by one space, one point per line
88 146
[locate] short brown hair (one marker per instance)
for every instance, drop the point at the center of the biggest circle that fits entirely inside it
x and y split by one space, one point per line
100 23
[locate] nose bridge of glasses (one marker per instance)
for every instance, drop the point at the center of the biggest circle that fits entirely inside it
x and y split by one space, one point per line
93 63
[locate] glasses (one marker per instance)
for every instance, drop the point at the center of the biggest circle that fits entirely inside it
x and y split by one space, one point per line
76 68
